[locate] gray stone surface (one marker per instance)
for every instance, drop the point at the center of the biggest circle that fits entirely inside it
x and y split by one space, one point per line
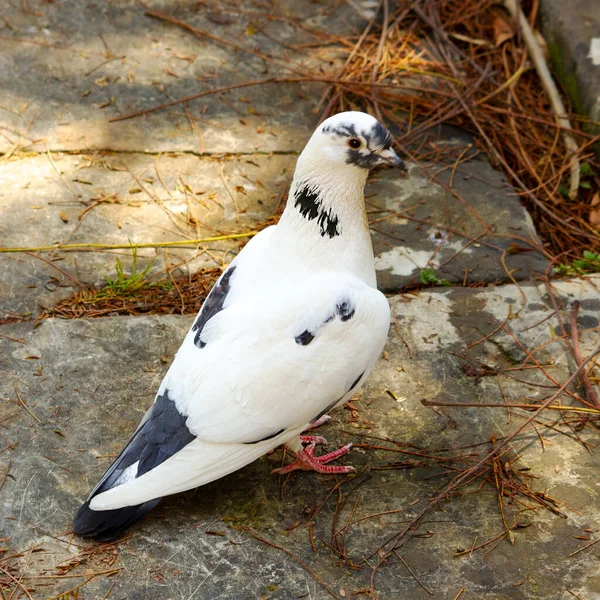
120 198
464 222
114 198
235 151
572 32
66 71
89 382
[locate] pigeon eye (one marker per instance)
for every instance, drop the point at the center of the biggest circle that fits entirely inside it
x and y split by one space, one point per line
354 143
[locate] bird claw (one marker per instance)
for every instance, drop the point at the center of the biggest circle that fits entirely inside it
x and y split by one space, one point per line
322 419
313 439
306 461
316 439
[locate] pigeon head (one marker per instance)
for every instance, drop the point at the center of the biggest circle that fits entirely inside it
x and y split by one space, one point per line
354 139
327 192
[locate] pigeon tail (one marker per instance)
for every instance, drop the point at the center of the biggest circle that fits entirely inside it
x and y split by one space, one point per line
108 525
163 433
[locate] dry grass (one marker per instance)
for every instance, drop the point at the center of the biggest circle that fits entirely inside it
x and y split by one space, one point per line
463 63
168 295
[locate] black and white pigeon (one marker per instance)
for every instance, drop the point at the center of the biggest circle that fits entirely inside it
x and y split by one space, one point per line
291 330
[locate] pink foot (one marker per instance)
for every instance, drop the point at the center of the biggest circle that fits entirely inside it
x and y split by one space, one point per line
316 439
318 422
306 461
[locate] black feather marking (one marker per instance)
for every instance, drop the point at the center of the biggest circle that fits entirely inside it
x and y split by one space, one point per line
326 410
328 222
212 305
364 161
272 435
381 137
356 382
108 525
309 204
345 310
305 338
161 436
341 130
377 138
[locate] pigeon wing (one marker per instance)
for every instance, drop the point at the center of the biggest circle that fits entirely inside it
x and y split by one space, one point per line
268 366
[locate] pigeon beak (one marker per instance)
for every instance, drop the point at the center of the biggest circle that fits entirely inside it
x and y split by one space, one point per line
391 158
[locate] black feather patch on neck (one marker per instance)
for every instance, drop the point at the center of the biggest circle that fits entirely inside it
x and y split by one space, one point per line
310 206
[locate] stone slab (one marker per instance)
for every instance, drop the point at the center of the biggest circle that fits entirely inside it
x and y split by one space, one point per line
121 198
116 198
89 382
67 68
572 32
65 63
465 222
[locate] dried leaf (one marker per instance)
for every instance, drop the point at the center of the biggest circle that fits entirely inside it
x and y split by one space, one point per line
516 249
292 526
594 217
503 30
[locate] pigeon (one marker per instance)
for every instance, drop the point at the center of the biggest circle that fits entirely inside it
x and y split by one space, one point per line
291 329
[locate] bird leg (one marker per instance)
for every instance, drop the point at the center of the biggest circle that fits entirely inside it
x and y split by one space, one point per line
316 439
322 419
307 461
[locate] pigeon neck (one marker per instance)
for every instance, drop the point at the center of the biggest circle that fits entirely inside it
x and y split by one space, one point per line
325 220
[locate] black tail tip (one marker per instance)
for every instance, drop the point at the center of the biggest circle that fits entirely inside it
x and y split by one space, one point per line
108 525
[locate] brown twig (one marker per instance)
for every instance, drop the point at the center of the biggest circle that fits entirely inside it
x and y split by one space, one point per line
577 409
583 548
589 388
22 403
468 474
48 262
546 78
295 557
412 573
18 584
